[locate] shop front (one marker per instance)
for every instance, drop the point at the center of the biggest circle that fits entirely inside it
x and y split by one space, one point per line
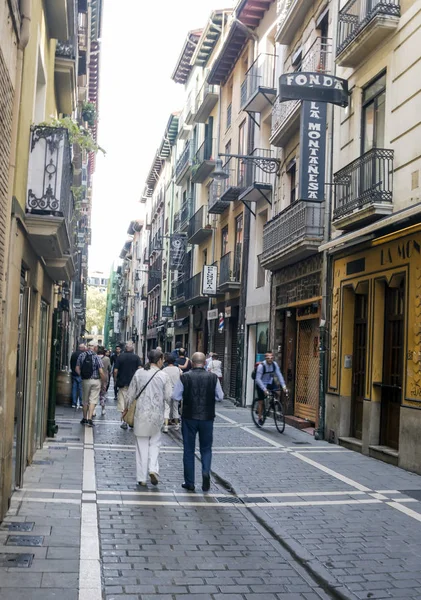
374 385
296 296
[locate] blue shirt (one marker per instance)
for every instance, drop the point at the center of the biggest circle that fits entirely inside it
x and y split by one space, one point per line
179 389
264 377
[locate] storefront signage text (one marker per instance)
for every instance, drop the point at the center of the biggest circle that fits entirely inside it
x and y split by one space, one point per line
312 151
209 280
403 251
317 87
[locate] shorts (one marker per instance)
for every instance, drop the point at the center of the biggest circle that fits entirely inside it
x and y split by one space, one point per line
121 399
91 389
271 386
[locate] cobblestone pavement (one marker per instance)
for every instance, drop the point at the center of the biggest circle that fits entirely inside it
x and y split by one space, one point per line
287 518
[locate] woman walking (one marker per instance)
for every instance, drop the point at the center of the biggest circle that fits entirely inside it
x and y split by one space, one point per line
171 408
215 366
152 390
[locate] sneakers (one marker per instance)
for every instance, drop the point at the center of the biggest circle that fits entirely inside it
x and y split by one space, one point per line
90 423
74 406
261 422
188 487
206 482
154 478
177 427
165 429
142 483
84 421
103 411
124 425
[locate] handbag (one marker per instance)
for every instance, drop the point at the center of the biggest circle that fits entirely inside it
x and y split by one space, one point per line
131 411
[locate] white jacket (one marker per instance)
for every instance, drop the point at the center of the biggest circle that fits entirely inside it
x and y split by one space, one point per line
150 406
215 366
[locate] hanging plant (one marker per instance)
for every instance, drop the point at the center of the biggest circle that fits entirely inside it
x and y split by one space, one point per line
89 113
77 134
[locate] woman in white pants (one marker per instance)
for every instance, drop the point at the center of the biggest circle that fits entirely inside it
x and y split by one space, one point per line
152 390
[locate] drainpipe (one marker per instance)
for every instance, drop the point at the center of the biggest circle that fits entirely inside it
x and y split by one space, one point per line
326 266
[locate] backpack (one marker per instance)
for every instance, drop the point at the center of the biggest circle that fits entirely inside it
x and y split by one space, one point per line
254 372
87 367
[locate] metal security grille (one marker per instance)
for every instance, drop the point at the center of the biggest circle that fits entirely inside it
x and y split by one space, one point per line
307 373
234 359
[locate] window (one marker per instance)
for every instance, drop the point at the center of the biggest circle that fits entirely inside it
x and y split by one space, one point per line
205 257
242 149
260 271
224 241
292 180
297 59
373 114
238 247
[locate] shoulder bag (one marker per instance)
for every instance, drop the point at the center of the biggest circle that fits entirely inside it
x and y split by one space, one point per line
129 416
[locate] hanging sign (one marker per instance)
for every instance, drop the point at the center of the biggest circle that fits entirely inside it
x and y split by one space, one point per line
212 314
178 243
167 312
228 312
318 87
312 151
221 323
209 280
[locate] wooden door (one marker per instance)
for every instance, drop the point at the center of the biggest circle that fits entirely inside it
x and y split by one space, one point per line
392 366
359 364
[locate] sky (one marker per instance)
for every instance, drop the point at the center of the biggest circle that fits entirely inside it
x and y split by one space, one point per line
140 44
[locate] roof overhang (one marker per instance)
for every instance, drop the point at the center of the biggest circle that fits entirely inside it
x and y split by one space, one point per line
134 226
251 12
183 67
163 152
210 37
232 47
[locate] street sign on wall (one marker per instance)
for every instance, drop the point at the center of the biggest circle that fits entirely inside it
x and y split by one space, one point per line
318 87
209 280
212 314
312 151
167 312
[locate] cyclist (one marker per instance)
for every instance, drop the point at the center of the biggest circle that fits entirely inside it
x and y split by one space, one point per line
265 381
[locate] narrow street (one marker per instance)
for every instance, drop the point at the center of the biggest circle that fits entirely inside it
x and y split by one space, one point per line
287 518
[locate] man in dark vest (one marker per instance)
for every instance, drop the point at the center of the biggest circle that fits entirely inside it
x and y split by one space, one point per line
198 391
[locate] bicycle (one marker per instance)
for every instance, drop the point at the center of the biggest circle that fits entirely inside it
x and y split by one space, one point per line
271 403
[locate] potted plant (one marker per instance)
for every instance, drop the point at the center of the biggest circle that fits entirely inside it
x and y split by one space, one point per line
89 113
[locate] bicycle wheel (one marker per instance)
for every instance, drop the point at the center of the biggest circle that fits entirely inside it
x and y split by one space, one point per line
278 416
255 413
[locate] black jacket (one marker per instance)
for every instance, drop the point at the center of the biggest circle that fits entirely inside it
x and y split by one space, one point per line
199 394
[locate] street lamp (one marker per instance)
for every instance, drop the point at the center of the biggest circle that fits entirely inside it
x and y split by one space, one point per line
219 173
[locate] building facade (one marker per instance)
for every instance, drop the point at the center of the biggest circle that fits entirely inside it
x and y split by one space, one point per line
43 224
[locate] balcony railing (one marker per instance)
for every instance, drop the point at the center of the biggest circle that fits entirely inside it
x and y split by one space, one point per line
293 234
176 223
199 227
83 37
365 183
357 14
183 162
186 212
67 49
155 275
258 89
190 108
177 291
193 290
316 59
205 102
204 161
230 270
215 204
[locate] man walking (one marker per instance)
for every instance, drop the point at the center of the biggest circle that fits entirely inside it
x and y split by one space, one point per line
198 390
117 352
171 409
76 379
125 367
90 368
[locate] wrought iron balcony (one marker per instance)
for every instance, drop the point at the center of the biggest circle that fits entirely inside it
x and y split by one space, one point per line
155 275
83 38
362 26
186 212
205 102
184 163
190 108
286 115
215 205
294 234
230 271
364 190
67 49
176 222
204 161
49 202
258 90
291 15
259 176
178 292
199 227
193 290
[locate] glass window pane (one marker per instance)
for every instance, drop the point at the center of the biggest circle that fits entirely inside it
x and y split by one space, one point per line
380 119
368 124
375 88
